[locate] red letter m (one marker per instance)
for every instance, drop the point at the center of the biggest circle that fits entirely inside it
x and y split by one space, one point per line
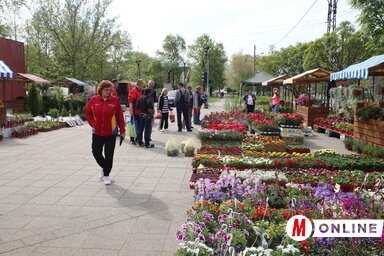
298 228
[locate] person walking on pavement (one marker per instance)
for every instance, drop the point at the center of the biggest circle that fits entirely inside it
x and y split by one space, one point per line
190 105
181 103
164 108
250 100
133 99
146 107
197 103
104 114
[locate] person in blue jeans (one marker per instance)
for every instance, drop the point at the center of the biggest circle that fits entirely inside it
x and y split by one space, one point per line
197 103
146 107
182 99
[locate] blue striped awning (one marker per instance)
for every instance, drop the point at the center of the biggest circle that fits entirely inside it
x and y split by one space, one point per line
359 70
5 71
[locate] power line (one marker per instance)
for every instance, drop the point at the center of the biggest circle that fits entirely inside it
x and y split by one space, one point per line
296 24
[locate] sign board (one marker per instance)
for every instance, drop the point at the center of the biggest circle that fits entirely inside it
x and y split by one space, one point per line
291 132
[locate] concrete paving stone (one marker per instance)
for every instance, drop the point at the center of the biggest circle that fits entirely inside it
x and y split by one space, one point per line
167 187
9 246
84 191
155 173
43 224
19 183
58 191
24 251
61 211
111 191
73 200
45 199
151 225
117 218
101 202
137 187
166 180
35 175
129 202
5 181
15 222
147 180
8 190
131 171
144 242
96 252
171 243
39 238
69 183
49 251
125 179
17 199
10 234
93 213
70 241
29 210
43 183
6 208
139 253
54 177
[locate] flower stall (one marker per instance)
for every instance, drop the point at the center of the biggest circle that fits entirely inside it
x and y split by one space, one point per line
305 106
367 123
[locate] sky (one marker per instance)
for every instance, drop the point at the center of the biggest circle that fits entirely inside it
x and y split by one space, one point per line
237 24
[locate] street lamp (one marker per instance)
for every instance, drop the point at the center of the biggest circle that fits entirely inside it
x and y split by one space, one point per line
138 67
207 52
185 75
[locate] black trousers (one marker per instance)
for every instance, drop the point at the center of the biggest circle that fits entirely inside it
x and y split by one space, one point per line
146 127
250 108
164 120
108 142
184 111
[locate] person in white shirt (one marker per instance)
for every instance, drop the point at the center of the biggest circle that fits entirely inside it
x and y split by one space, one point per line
250 100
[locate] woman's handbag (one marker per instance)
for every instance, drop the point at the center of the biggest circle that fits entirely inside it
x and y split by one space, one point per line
131 129
172 116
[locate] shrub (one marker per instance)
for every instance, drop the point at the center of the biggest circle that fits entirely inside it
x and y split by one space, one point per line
53 112
348 142
34 101
357 147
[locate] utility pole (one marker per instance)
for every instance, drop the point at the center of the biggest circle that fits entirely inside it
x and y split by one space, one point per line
331 20
254 60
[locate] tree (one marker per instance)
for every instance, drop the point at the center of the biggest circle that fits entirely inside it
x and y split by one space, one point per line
10 12
371 20
240 68
217 62
79 35
337 50
172 54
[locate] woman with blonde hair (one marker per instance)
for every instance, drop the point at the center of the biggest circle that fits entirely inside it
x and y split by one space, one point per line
275 100
164 108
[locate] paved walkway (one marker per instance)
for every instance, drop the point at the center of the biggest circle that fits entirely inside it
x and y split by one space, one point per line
52 203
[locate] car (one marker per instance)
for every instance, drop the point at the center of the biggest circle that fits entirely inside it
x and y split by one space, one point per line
171 97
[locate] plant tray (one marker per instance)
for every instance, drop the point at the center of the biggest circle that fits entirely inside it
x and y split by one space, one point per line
275 148
196 176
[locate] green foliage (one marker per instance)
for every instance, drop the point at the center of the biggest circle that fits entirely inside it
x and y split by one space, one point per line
372 23
371 112
233 104
240 68
196 52
34 100
53 112
348 142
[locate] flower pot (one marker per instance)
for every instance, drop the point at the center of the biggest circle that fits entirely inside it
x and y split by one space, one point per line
356 92
348 148
189 154
381 104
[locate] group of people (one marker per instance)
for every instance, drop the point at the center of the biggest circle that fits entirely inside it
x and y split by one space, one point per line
250 101
105 115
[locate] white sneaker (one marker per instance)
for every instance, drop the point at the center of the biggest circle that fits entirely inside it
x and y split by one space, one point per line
107 180
101 175
162 130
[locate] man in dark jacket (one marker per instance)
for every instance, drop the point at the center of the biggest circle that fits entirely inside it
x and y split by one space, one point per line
145 105
181 103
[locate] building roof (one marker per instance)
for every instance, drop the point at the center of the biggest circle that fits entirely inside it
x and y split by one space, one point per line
275 81
310 76
257 79
31 78
68 81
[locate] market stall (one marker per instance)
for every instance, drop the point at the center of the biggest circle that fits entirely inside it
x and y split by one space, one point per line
368 123
311 103
5 73
278 82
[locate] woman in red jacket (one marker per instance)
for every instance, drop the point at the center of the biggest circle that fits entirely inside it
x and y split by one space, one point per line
105 116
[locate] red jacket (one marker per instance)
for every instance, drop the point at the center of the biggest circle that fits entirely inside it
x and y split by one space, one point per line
105 116
133 98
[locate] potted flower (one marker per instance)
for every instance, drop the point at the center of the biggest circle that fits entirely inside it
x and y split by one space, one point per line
189 148
171 147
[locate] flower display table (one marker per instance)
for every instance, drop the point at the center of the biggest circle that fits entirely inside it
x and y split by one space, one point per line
311 113
371 131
